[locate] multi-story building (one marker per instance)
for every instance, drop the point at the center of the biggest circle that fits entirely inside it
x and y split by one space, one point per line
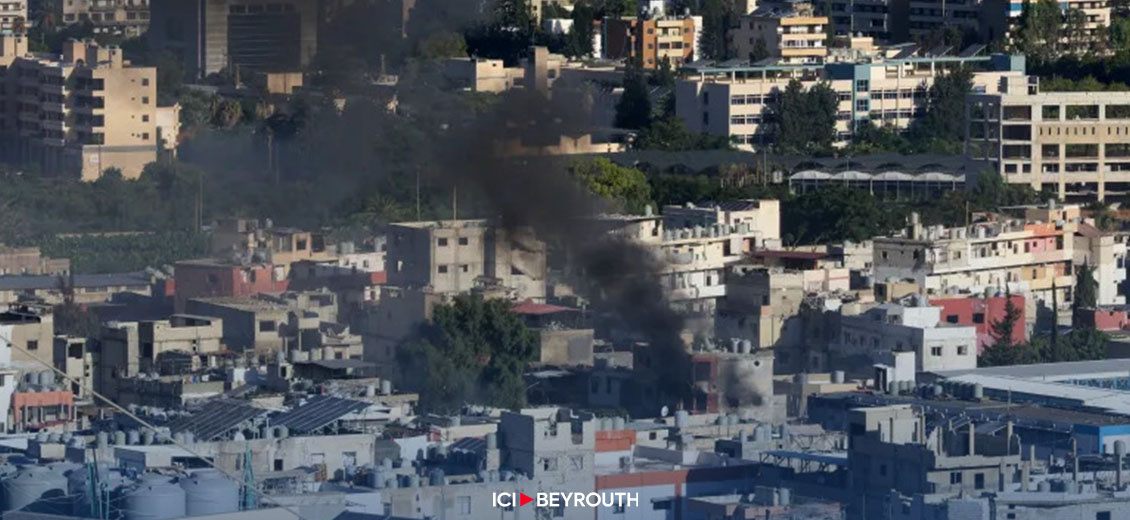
213 278
890 327
735 100
874 18
650 40
127 18
79 113
1075 142
456 256
28 333
13 16
981 313
924 17
1025 257
241 36
1003 17
790 32
173 346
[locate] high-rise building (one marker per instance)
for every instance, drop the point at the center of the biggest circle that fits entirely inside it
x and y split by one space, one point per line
789 32
79 113
13 15
236 35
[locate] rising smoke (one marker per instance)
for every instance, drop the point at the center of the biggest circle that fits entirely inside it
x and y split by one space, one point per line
615 274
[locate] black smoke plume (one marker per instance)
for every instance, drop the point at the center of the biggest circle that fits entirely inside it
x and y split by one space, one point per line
615 274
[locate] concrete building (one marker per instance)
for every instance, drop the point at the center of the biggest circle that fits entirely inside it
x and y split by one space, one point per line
877 19
87 288
28 260
1072 142
789 32
926 17
247 240
734 100
13 16
1030 258
175 346
213 278
76 361
463 255
29 330
248 323
650 40
127 18
1105 253
214 36
936 345
79 113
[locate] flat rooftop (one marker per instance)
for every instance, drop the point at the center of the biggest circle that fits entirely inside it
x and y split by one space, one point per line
1098 369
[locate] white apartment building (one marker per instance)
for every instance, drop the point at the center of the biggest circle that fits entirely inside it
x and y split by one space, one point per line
117 17
79 113
790 32
695 256
1025 257
13 15
1076 142
1104 251
735 100
891 327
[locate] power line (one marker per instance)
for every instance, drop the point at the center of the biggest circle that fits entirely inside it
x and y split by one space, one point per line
146 424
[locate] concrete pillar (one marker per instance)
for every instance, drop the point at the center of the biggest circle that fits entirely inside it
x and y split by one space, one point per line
971 441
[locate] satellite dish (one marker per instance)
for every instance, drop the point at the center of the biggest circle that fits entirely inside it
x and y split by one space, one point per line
663 411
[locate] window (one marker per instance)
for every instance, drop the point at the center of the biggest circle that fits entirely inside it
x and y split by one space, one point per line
962 350
144 100
952 318
594 385
32 344
145 136
145 82
441 269
882 470
441 242
278 464
464 268
862 85
618 508
936 351
145 118
978 317
463 241
955 477
266 326
463 505
1102 515
979 481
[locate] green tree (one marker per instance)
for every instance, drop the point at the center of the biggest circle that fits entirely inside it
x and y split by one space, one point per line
1119 34
835 214
442 46
473 351
627 187
670 134
1085 297
805 121
633 111
760 50
578 43
717 16
226 113
1040 31
943 124
1004 328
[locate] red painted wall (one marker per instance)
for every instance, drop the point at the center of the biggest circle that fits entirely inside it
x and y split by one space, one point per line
965 311
208 280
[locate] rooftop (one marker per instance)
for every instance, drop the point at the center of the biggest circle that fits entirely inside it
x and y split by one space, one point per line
36 282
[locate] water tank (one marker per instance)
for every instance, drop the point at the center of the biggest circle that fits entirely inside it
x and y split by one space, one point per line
371 391
133 437
189 437
386 387
435 477
784 497
54 438
47 378
618 423
209 492
282 432
978 392
746 347
377 478
80 490
386 464
36 489
154 497
268 432
119 438
838 377
147 437
103 440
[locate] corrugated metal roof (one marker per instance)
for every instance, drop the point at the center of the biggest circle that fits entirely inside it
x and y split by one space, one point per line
317 413
30 282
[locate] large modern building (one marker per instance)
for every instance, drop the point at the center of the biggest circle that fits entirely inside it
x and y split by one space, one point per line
722 99
1077 143
228 35
127 18
77 114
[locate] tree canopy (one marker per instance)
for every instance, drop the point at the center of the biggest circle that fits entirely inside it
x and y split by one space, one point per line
473 351
627 187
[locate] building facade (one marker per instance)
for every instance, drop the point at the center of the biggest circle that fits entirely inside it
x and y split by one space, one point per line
79 113
13 16
1073 142
650 40
735 100
790 33
128 18
214 36
937 345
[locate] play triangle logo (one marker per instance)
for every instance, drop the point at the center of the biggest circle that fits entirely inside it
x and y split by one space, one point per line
523 499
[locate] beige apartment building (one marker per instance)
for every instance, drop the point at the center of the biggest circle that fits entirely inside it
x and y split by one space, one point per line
1025 257
130 349
29 260
127 18
650 40
13 16
458 256
29 330
79 113
734 100
1076 142
792 33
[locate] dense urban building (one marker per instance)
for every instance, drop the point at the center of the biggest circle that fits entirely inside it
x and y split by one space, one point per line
127 18
13 15
80 113
791 33
652 40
